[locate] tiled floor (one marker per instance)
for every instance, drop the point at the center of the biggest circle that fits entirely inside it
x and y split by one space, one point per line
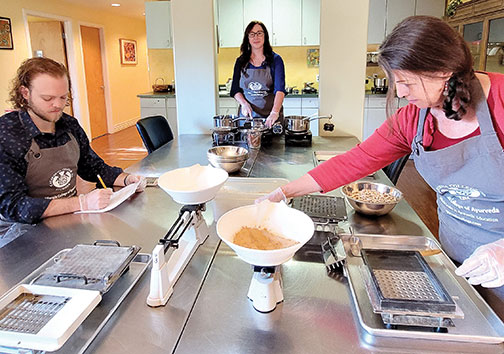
124 148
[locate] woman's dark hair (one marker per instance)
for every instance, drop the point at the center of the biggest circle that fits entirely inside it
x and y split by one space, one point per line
27 72
246 49
425 45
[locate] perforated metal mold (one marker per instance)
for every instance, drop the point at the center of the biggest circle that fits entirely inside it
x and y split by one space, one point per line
29 313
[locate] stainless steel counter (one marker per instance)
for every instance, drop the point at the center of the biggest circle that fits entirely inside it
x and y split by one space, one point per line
209 311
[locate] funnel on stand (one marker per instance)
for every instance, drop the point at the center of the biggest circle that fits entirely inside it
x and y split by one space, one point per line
266 287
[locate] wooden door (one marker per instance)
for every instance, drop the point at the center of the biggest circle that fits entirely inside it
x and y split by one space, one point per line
94 80
48 40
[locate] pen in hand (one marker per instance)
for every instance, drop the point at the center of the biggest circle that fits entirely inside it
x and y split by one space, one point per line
101 181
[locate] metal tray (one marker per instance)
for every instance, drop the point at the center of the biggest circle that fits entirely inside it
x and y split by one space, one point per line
96 320
479 325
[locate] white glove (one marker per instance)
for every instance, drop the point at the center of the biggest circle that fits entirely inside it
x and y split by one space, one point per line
276 196
130 179
246 110
95 200
485 266
272 118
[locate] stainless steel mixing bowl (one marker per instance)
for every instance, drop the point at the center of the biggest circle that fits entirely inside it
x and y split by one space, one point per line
368 207
229 158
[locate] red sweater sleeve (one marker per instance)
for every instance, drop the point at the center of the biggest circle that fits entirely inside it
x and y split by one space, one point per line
389 142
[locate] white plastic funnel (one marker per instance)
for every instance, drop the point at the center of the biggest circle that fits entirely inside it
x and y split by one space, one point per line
193 185
276 217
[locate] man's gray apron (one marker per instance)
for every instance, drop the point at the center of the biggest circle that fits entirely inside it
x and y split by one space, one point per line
257 85
467 178
51 174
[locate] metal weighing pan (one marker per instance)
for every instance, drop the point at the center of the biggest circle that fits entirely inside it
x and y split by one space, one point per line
479 324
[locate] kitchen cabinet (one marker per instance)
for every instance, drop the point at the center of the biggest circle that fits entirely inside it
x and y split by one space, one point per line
260 10
286 22
162 106
375 112
310 22
231 25
384 15
158 24
289 22
398 10
376 21
303 106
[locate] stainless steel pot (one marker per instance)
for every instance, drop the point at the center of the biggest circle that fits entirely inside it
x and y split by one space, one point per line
226 121
299 124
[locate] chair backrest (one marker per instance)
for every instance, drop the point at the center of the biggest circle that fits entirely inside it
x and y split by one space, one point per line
394 169
154 131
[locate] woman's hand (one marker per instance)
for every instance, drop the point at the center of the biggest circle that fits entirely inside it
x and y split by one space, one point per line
246 109
95 200
276 196
485 266
272 118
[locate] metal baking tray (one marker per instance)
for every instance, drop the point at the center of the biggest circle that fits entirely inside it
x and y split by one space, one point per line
480 324
89 267
80 340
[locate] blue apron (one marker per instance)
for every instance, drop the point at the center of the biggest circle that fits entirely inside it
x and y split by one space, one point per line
468 180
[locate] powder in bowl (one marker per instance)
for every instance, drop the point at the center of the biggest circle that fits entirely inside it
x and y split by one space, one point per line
261 239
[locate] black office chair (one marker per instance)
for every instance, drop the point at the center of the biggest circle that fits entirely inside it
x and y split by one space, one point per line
154 131
394 169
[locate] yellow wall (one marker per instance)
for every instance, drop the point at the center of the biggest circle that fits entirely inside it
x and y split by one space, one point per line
161 65
295 60
125 82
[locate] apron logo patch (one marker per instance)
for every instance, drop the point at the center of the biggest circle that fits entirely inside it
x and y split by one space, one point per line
61 178
255 86
459 191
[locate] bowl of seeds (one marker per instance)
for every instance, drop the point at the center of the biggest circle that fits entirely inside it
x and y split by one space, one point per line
371 198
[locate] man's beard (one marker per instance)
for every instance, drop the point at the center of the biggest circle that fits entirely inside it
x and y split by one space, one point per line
40 114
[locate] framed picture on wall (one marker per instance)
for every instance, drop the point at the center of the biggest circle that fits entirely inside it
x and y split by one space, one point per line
6 33
128 51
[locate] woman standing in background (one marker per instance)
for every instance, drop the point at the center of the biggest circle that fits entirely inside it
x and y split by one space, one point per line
259 76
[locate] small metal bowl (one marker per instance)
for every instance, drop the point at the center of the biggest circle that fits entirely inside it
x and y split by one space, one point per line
368 207
229 158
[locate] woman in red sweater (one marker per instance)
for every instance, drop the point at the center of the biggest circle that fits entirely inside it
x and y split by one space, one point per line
453 127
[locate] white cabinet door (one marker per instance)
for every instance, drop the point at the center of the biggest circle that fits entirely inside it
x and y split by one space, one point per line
430 8
373 118
286 23
258 10
314 124
376 22
230 23
398 10
158 24
311 22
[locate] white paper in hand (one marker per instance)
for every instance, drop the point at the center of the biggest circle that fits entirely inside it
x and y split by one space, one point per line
116 199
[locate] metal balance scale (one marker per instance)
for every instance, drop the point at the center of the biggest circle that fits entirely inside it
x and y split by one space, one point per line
192 187
266 290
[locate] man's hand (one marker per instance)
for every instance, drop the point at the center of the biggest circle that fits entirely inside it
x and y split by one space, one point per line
130 179
95 200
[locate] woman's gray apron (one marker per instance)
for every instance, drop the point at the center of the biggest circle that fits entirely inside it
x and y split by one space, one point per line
257 85
51 174
467 178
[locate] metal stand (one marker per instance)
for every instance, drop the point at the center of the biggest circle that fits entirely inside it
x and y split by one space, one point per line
184 237
265 290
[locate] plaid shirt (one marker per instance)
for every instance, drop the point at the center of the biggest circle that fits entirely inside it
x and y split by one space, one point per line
15 141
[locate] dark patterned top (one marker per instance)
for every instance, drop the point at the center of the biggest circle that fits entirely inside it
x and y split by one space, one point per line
15 141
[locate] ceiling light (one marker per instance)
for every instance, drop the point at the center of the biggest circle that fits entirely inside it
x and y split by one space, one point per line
116 5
